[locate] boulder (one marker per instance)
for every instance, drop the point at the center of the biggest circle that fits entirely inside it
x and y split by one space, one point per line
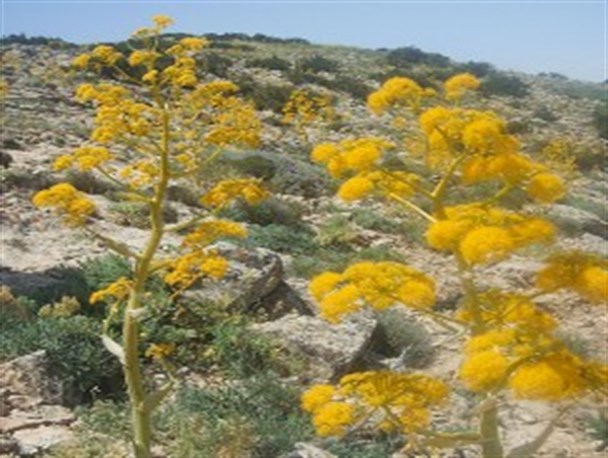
254 284
330 350
572 219
29 376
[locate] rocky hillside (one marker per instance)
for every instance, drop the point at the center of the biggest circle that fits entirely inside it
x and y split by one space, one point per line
274 330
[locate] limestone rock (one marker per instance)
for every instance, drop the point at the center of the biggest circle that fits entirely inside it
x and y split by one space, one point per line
252 277
305 450
573 219
29 376
332 350
33 441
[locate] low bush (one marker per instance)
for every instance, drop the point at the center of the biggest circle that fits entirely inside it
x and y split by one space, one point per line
270 63
73 349
600 120
504 85
272 211
265 96
317 64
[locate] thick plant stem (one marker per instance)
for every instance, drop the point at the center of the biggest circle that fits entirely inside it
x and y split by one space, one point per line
142 432
141 416
488 430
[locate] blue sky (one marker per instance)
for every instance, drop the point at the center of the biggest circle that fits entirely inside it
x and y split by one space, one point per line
568 37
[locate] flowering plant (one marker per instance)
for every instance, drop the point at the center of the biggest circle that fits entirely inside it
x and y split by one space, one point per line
512 344
159 125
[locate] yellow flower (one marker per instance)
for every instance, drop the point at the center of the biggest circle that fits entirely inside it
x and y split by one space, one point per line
160 351
333 418
550 379
214 267
227 191
356 188
116 291
209 232
444 235
397 91
592 283
316 397
106 54
67 201
340 302
324 152
482 371
162 21
81 61
546 188
62 162
323 284
143 57
486 244
458 85
193 44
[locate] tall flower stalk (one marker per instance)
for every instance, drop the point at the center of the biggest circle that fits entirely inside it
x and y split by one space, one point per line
157 123
512 347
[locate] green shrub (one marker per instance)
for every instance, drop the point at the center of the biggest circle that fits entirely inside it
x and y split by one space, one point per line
408 56
74 351
404 338
545 114
368 219
598 426
216 64
255 165
265 96
297 177
343 83
283 239
270 63
502 84
337 232
318 63
271 211
600 119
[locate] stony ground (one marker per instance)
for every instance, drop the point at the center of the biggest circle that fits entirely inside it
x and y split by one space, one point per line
40 122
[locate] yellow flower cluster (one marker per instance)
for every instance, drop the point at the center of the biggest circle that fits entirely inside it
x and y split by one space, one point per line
458 85
520 351
100 56
474 132
86 158
198 261
236 124
533 367
160 351
359 155
377 284
306 107
118 115
185 270
114 292
209 232
381 183
402 402
227 191
398 92
583 273
140 173
67 202
486 234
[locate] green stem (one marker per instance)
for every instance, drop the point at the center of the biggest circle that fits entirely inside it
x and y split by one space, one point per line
142 430
491 446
